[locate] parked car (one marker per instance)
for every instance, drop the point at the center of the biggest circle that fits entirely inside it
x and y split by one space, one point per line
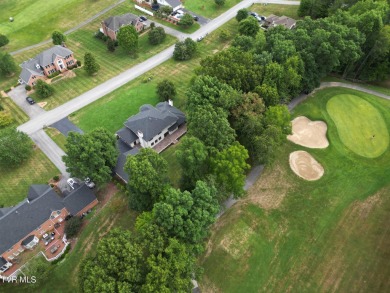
71 182
143 18
254 14
89 183
196 18
200 38
30 100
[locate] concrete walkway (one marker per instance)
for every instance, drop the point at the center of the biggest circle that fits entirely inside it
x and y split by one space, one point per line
72 29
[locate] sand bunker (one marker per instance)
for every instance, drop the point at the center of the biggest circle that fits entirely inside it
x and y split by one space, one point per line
305 166
310 134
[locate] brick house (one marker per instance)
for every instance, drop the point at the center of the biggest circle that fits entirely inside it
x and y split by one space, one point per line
111 26
22 226
147 129
57 58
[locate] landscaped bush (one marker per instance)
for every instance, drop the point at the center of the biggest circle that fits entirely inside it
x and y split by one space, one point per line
72 227
105 38
99 35
78 63
56 178
28 87
5 118
54 74
43 90
67 249
3 40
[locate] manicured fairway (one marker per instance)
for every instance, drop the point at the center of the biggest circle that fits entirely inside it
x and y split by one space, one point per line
291 235
360 125
35 20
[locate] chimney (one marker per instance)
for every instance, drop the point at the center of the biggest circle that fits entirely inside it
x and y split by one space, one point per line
170 102
140 134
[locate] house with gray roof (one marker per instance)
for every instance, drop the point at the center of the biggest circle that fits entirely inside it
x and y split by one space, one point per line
175 4
274 20
147 129
57 58
22 226
111 25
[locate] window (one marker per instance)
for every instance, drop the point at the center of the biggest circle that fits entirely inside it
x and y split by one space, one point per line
152 143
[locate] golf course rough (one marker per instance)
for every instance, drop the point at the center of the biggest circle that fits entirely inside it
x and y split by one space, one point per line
360 125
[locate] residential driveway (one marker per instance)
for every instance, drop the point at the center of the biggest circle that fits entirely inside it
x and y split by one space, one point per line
202 20
65 126
18 95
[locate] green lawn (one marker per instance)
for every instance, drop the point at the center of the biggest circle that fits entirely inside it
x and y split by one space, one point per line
35 20
57 137
18 115
329 235
266 10
360 125
208 8
15 182
174 168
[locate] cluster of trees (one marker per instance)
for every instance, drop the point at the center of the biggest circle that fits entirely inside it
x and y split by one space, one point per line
185 50
15 147
363 29
156 35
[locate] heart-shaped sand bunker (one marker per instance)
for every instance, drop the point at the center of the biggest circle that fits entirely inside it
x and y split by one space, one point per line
310 134
305 166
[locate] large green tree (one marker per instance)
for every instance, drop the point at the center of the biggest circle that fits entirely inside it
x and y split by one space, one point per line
166 90
148 177
192 156
15 147
185 50
58 38
7 64
43 90
90 64
229 167
128 39
91 155
248 27
210 125
156 35
3 40
187 20
242 14
118 265
187 216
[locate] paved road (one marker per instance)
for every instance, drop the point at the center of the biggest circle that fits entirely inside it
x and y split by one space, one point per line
72 29
18 95
51 149
65 126
201 19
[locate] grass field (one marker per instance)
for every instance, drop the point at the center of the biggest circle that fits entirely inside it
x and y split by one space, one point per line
15 182
331 235
360 126
57 137
18 115
174 168
35 20
208 8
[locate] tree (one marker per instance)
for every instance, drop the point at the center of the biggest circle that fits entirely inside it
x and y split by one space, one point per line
165 9
248 27
224 35
58 38
185 50
7 64
118 265
171 270
90 64
244 43
192 156
219 2
166 90
280 117
110 45
229 167
186 216
128 39
43 90
3 40
148 177
15 147
269 94
242 14
210 125
92 155
156 35
187 20
72 227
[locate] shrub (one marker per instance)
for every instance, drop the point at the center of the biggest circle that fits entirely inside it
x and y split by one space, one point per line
156 36
111 45
28 87
1 107
99 35
56 178
54 74
43 90
224 35
3 40
166 90
72 227
78 63
67 249
105 38
58 38
5 118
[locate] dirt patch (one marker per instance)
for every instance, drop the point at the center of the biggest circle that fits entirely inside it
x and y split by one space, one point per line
305 166
269 191
42 104
69 74
237 242
307 133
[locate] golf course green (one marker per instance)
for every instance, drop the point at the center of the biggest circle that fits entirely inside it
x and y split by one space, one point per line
360 125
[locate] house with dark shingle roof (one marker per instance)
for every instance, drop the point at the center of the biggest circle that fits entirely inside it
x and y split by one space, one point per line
274 20
23 225
147 129
111 25
57 58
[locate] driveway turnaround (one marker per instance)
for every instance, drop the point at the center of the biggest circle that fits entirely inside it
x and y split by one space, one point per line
65 126
19 95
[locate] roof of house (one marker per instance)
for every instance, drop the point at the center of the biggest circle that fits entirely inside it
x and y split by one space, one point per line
281 20
173 3
124 151
116 22
79 199
2 261
18 221
152 120
28 239
44 58
127 135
